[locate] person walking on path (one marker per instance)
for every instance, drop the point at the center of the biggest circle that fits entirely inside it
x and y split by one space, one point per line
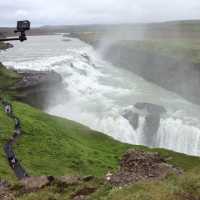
8 109
17 128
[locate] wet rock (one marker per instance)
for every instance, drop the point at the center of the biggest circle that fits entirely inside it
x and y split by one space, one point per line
9 45
152 121
36 78
86 57
36 183
150 129
5 46
132 117
138 165
151 108
35 86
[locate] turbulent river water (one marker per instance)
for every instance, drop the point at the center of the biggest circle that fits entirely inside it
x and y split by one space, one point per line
98 93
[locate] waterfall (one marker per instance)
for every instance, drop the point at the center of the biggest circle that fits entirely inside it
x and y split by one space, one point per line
98 93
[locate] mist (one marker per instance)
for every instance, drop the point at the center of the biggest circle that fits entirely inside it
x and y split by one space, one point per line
160 53
67 12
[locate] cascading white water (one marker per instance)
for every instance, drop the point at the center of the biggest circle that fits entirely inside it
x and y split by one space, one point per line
98 93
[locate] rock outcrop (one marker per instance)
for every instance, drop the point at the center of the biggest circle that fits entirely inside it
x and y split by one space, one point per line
152 121
150 108
4 46
35 86
152 114
138 165
35 183
132 117
178 75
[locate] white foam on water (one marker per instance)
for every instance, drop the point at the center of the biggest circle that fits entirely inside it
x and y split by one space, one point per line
98 93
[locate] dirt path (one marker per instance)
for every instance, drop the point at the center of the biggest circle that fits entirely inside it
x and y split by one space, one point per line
8 147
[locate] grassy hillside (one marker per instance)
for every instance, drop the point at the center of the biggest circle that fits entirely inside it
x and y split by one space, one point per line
56 146
188 50
8 77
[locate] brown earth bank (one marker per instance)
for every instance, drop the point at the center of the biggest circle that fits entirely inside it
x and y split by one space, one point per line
135 166
79 187
141 166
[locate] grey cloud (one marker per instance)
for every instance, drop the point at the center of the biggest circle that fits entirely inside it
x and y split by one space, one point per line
43 12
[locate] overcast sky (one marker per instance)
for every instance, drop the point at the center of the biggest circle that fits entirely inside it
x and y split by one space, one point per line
63 12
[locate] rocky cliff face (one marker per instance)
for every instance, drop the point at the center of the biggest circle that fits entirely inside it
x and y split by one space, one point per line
31 87
4 46
177 75
153 114
34 87
164 67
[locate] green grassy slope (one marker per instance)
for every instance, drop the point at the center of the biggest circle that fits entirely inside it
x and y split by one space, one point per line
56 146
6 128
8 78
186 49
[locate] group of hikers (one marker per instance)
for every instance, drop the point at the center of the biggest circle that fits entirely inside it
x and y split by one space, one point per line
8 109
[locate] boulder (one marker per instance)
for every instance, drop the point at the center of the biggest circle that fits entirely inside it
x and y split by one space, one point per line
36 183
68 180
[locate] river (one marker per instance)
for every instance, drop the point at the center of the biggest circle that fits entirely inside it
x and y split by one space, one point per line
98 93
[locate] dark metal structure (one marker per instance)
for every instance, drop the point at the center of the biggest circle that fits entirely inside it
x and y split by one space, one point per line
22 27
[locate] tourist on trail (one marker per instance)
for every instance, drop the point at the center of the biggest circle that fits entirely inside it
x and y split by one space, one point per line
13 162
17 123
17 128
17 132
8 109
